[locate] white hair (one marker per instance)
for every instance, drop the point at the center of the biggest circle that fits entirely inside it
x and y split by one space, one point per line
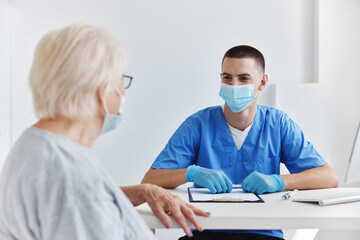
68 68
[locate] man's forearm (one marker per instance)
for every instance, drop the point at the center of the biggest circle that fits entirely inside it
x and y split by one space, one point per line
165 178
320 177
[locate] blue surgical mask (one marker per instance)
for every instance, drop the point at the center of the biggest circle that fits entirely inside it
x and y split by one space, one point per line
112 121
238 97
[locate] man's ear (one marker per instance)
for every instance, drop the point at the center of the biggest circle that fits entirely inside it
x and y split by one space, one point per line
264 82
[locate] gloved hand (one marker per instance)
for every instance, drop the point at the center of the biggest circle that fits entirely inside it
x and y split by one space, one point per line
214 180
260 183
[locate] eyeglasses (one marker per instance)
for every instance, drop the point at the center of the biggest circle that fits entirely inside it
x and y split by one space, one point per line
127 81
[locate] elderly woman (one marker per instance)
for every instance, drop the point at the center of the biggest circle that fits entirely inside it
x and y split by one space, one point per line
52 186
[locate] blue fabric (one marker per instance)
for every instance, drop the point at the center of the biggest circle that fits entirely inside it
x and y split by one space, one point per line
204 139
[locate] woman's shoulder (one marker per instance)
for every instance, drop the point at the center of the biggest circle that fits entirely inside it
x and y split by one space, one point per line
29 151
40 156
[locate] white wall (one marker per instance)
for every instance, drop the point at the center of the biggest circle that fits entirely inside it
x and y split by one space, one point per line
5 79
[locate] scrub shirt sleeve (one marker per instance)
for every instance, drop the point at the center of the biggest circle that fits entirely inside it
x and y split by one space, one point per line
182 149
296 153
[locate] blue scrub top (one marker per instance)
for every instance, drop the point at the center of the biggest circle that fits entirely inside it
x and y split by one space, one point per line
204 139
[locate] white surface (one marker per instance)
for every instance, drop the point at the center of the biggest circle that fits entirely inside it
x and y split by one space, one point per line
273 214
204 194
352 174
328 196
305 234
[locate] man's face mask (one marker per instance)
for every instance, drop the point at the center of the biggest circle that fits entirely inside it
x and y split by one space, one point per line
238 97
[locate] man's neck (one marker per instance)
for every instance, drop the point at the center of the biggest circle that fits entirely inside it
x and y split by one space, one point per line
83 133
243 119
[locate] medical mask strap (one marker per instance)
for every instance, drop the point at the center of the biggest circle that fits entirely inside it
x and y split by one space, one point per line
118 91
106 109
122 101
256 83
121 97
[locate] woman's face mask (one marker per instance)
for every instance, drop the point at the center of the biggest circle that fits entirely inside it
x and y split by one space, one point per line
112 121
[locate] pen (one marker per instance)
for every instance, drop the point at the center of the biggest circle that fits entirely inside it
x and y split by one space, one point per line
289 194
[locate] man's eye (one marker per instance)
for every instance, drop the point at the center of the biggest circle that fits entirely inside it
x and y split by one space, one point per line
227 77
244 79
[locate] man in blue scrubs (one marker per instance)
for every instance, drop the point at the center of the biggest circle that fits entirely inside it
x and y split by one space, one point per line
240 143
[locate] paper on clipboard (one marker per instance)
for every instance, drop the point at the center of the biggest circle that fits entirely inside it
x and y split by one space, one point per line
236 195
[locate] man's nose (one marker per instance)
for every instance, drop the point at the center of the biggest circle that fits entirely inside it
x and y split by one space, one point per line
235 81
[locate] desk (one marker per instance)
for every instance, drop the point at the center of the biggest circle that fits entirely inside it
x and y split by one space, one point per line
273 214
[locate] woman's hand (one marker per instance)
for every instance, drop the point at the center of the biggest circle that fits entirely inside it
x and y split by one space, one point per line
163 203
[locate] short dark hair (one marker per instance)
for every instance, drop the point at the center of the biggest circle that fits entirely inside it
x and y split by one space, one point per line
245 51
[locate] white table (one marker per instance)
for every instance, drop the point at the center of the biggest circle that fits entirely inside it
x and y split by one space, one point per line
273 214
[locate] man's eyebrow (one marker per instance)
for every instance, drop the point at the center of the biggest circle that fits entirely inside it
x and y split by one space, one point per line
244 74
240 75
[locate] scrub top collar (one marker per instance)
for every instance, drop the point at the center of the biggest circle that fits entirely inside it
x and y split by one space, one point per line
228 140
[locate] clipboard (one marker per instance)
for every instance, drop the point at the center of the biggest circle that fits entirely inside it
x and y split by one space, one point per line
237 195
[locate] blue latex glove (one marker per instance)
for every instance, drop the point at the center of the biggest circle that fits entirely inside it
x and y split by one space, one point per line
260 183
214 180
